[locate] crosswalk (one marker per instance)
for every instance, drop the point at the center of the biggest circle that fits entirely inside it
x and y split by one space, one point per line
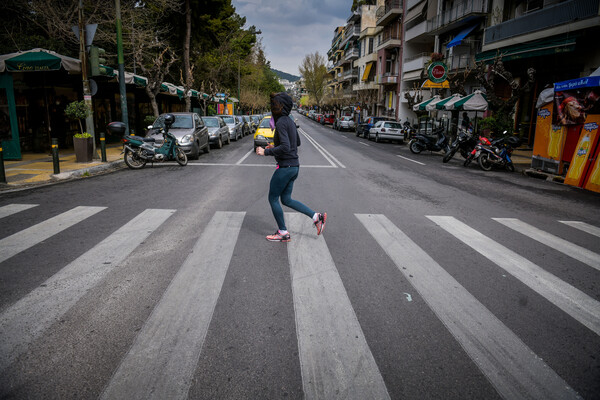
334 354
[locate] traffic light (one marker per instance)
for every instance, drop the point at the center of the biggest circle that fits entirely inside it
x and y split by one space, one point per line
96 61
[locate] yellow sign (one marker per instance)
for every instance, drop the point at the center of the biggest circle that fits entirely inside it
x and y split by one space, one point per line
587 138
428 84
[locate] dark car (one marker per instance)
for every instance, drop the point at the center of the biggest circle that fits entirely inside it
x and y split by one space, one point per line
328 119
217 130
364 128
188 128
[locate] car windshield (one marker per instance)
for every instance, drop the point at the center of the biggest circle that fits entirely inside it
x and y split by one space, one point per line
211 122
346 118
393 125
265 123
229 120
181 122
255 119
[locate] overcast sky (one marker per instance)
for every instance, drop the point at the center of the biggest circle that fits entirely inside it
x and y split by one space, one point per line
291 29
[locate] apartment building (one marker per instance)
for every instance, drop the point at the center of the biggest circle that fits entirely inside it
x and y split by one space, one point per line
335 66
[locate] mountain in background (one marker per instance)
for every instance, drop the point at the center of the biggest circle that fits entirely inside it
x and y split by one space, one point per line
285 75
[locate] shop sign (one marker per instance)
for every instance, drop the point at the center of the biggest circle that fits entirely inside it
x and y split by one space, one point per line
437 72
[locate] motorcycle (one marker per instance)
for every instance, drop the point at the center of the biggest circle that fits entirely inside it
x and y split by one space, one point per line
465 142
474 154
138 150
498 155
435 142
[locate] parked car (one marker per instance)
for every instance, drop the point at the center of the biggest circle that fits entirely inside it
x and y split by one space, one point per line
188 128
264 135
364 128
345 123
234 125
390 130
318 117
218 131
328 119
311 114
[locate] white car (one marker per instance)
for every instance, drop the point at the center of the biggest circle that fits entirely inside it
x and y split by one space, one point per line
390 130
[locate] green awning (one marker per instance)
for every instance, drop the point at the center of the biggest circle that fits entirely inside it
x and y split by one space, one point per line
536 48
36 60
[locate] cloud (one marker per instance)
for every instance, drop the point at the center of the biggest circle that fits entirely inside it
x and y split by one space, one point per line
291 29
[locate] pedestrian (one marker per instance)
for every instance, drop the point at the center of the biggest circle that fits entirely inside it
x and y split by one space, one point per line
285 150
466 122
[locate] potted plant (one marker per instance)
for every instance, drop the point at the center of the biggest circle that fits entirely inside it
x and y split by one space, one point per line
82 142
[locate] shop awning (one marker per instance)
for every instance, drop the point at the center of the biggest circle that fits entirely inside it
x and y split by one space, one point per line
411 76
432 104
476 101
38 60
415 12
459 38
368 67
428 84
531 49
421 106
440 105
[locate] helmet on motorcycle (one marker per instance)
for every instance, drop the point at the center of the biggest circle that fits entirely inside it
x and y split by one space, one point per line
169 119
513 141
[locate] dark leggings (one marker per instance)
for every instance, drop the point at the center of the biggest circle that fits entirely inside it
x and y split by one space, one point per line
282 184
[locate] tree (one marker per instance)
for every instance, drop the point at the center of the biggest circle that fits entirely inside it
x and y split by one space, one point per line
357 3
314 73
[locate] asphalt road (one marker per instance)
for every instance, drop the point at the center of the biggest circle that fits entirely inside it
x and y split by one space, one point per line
430 281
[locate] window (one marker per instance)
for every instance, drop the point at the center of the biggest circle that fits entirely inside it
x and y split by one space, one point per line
371 45
211 122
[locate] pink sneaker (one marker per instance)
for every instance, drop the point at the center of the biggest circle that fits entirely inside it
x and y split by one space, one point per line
320 224
278 237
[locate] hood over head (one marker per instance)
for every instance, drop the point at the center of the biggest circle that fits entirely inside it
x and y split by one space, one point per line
281 104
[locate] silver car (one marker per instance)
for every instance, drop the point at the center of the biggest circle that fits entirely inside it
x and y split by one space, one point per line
235 126
218 131
345 123
389 130
188 128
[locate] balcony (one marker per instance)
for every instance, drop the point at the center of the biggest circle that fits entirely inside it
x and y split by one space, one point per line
416 62
390 11
388 41
351 33
456 16
350 74
460 62
352 54
552 16
389 78
418 33
365 86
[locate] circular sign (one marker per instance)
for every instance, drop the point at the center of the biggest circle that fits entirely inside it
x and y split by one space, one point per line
438 72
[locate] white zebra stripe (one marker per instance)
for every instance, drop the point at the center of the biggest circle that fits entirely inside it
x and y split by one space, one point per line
582 226
512 367
572 250
28 318
10 209
31 236
162 360
335 359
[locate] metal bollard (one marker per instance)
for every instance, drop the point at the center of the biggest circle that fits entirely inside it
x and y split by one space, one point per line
103 146
55 160
2 174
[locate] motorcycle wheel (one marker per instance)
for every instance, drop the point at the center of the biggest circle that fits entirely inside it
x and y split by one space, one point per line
449 155
464 154
133 161
468 160
414 146
510 167
180 157
484 162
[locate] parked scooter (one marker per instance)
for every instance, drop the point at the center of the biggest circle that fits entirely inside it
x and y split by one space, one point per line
408 130
435 142
499 154
474 154
139 150
465 142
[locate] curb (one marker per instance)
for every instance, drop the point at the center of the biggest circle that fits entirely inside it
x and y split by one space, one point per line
87 171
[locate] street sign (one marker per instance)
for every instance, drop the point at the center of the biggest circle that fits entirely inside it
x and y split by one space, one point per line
437 71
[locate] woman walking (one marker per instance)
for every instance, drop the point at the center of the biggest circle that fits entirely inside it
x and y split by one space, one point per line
285 150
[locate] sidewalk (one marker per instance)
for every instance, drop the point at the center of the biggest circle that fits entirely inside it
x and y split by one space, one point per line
37 169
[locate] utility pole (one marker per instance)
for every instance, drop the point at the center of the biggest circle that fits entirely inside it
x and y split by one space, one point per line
122 90
87 93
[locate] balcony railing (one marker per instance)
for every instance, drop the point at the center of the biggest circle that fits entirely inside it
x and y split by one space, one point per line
456 13
415 62
387 12
460 61
558 14
351 54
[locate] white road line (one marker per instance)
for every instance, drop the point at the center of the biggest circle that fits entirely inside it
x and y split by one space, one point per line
321 148
592 230
250 165
512 367
571 300
365 144
335 359
329 160
572 250
28 318
10 209
163 358
408 159
33 235
243 158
